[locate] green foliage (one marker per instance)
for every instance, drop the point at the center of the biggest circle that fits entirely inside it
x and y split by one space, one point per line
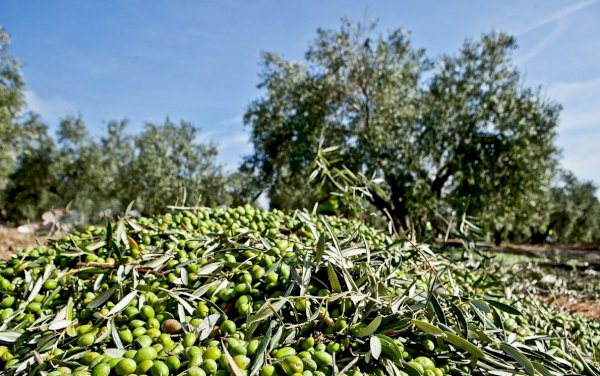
31 187
490 139
163 165
575 211
83 180
11 104
349 90
26 152
456 133
169 165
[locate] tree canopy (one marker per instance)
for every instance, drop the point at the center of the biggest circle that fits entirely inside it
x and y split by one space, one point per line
11 104
575 210
163 165
459 132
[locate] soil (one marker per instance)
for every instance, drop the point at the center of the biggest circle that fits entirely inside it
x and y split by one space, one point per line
588 308
556 252
12 240
558 258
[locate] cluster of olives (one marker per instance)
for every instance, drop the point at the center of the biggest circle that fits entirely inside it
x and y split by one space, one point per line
540 317
217 292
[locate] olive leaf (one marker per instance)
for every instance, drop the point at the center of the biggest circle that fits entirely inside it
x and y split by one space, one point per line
464 344
517 355
209 269
234 368
333 279
375 346
59 325
122 304
267 310
115 335
158 262
504 307
207 326
428 328
369 329
114 353
261 351
7 336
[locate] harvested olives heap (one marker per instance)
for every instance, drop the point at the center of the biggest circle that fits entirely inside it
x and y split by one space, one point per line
246 292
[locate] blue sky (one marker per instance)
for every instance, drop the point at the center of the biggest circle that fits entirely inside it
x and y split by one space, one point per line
199 60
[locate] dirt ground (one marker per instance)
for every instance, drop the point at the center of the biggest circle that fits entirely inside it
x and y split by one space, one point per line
587 308
12 240
558 257
563 252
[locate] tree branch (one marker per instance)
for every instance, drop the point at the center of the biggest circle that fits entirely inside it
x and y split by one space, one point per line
112 266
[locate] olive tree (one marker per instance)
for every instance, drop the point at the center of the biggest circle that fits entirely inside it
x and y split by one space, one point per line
575 211
31 186
26 150
164 164
459 132
171 167
11 105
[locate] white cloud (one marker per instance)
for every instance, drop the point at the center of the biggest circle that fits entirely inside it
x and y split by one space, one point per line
49 108
559 17
233 140
572 120
580 110
566 92
541 45
226 132
236 120
232 147
556 16
580 154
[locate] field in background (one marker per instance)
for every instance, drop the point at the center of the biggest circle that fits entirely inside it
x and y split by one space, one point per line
565 277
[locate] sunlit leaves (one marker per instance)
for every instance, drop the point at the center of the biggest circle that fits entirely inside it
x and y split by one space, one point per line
468 138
